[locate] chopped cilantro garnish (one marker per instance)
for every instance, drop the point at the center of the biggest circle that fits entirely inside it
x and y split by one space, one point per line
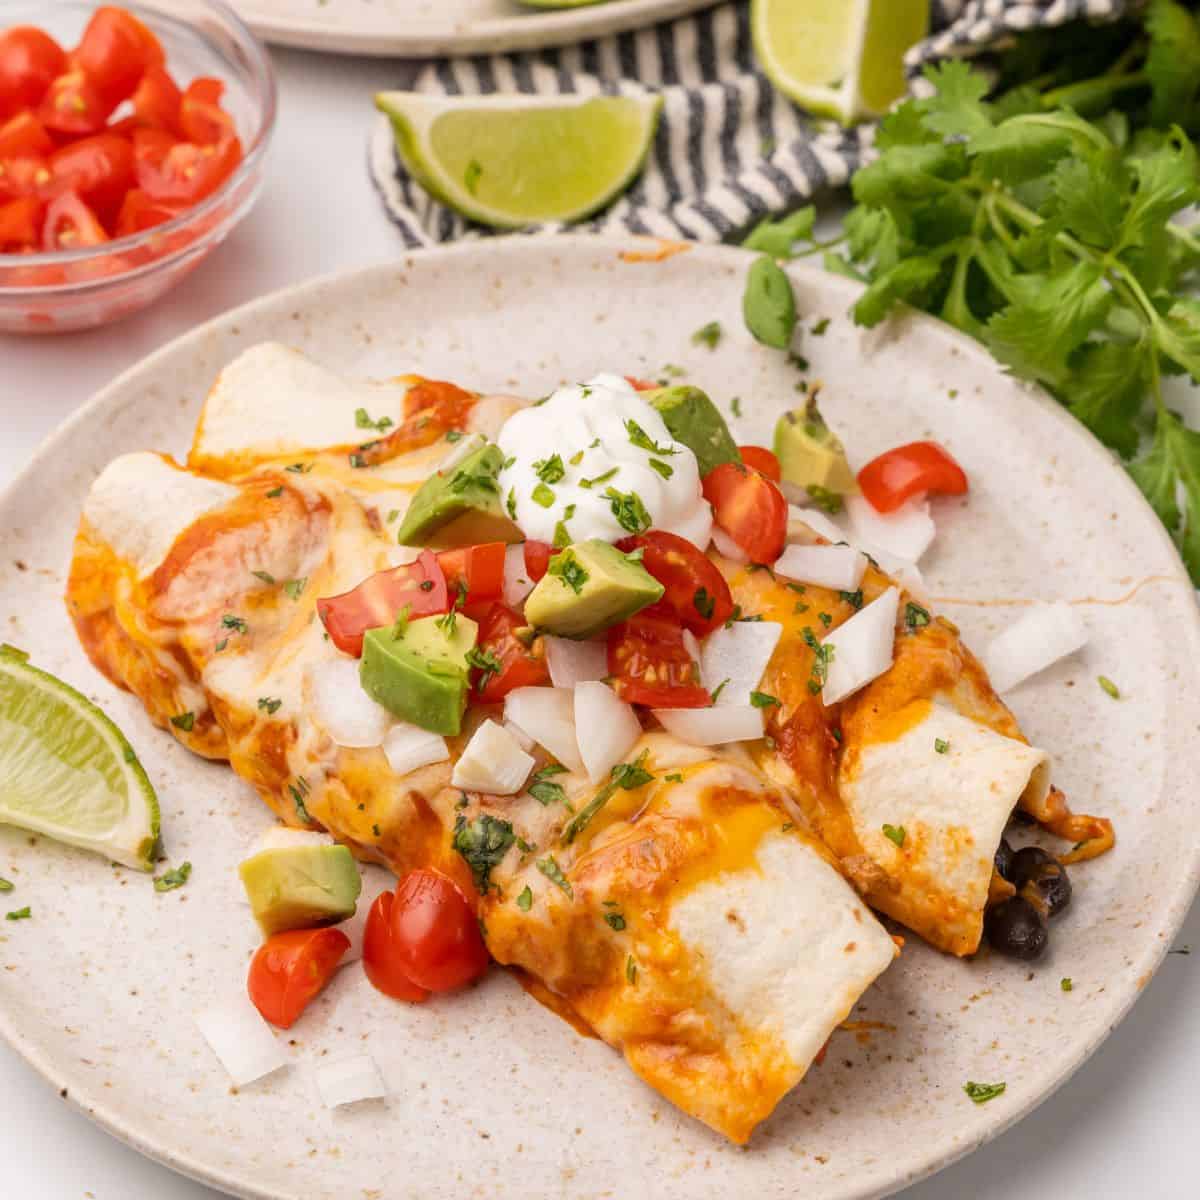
567 567
894 833
941 745
553 872
664 469
596 479
629 510
825 619
735 406
915 617
1110 687
550 470
482 844
818 330
981 1093
854 599
237 624
511 503
525 899
674 777
704 603
295 587
643 441
184 721
576 458
173 879
708 335
822 657
357 461
627 776
543 495
362 420
5 886
1066 984
265 576
614 920
454 435
824 499
715 693
763 700
20 914
486 663
542 789
298 791
275 492
269 704
299 468
631 970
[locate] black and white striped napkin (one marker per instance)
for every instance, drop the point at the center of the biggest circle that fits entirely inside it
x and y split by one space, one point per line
730 149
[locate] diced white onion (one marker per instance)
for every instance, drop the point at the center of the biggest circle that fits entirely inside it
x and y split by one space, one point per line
335 699
727 547
283 837
493 762
738 654
241 1039
803 523
547 715
838 567
517 584
523 739
863 647
348 1080
1042 636
375 880
574 662
713 726
610 727
906 533
409 747
460 451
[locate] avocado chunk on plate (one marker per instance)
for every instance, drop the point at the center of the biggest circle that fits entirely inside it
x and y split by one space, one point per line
460 506
419 673
298 887
588 587
693 419
810 454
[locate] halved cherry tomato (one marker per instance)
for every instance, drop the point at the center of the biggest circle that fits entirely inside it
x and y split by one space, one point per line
73 104
537 559
750 508
290 968
378 600
641 385
519 666
182 172
480 571
70 223
381 959
907 471
762 460
139 213
24 136
201 117
435 935
157 100
29 60
650 664
696 595
23 177
115 50
98 168
21 224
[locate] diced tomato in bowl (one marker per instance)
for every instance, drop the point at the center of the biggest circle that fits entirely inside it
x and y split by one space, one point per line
75 97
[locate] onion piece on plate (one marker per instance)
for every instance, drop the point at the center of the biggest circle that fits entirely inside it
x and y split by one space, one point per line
863 647
904 534
838 567
241 1039
737 656
517 584
493 762
334 697
348 1080
611 727
727 547
409 747
573 662
803 523
375 880
1041 637
284 837
713 726
547 715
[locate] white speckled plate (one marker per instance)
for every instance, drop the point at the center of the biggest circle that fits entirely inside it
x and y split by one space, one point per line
421 28
489 1093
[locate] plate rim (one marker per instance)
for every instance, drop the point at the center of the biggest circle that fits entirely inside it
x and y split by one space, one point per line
1119 1001
530 29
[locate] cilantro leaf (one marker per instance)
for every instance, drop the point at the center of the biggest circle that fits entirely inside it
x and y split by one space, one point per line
778 238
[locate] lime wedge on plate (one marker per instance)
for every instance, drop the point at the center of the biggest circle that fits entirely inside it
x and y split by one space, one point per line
841 60
509 161
67 771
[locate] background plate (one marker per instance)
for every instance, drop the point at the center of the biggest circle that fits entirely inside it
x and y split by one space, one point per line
420 28
490 1094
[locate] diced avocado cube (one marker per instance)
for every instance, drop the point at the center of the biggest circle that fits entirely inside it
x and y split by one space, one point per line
588 587
297 887
810 453
692 418
461 506
420 673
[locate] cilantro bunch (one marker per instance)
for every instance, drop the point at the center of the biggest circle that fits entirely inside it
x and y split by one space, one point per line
1041 221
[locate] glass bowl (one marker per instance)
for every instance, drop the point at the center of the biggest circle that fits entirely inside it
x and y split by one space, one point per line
78 289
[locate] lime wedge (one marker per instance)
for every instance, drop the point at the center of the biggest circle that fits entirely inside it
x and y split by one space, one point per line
840 60
67 771
509 161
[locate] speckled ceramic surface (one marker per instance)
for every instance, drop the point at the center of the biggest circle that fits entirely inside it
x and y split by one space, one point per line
490 1094
420 28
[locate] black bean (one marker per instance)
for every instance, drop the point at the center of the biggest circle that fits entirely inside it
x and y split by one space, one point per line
1016 928
1033 866
1003 860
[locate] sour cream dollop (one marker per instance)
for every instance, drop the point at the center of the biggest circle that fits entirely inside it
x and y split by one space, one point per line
597 458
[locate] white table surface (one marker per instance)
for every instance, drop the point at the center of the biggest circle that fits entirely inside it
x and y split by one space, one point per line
1121 1128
